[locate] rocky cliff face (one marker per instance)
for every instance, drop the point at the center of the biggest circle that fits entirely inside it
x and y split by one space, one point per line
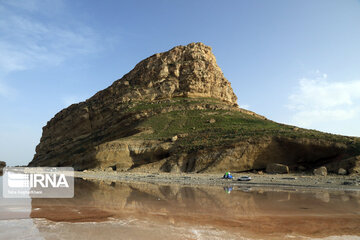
2 165
185 71
176 112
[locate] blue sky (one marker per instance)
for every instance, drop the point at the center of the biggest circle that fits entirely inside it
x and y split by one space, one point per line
296 62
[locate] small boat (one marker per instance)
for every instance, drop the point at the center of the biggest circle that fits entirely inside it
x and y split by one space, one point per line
244 178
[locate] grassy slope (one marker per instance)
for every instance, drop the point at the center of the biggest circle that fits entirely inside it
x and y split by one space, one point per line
230 126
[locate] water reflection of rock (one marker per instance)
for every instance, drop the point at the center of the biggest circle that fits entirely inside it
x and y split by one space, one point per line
98 200
256 212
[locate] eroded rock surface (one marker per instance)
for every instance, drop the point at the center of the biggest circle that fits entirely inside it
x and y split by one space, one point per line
321 171
186 71
2 165
176 112
275 168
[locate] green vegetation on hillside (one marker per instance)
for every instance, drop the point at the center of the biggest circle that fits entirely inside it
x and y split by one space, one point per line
229 126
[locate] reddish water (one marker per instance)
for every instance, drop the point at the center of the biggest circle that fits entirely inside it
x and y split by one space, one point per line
148 211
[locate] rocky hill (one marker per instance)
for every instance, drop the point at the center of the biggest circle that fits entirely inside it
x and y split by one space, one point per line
176 112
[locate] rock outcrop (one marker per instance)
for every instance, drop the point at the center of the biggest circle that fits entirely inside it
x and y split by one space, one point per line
342 171
184 71
175 112
350 165
275 168
2 165
321 171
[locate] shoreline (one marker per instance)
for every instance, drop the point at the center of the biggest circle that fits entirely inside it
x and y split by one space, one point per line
274 181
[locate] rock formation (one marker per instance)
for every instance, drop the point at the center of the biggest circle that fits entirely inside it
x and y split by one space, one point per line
275 168
176 112
2 165
189 71
321 171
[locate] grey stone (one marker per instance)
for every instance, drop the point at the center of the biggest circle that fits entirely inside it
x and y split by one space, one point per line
342 171
321 171
274 168
212 120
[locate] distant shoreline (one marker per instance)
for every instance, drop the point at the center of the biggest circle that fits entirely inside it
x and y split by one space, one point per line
276 181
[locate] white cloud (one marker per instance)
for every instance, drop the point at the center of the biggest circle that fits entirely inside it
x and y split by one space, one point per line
35 5
26 42
317 100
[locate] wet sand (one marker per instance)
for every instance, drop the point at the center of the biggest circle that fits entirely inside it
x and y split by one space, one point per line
143 210
120 210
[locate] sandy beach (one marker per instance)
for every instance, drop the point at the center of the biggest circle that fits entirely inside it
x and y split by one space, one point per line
297 181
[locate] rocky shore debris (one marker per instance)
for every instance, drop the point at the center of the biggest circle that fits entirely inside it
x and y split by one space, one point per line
350 183
294 180
342 171
321 171
276 168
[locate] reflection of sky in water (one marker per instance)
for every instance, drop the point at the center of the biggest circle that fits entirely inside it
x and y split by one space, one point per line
148 211
13 208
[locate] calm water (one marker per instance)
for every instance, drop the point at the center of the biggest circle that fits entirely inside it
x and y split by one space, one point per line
108 210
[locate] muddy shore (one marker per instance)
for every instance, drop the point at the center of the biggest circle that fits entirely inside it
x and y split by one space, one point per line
330 182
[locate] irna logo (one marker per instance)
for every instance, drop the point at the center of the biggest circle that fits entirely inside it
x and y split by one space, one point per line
33 180
38 182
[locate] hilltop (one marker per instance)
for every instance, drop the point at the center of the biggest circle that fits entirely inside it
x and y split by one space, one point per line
176 112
